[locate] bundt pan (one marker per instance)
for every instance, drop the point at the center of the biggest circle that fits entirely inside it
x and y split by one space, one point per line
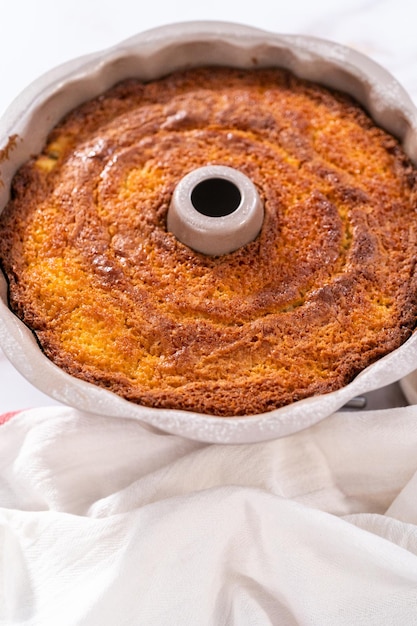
27 122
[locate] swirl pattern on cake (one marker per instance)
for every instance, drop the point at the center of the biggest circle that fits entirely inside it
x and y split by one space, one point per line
327 288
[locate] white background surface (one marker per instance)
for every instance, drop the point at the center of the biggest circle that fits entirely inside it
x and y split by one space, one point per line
36 36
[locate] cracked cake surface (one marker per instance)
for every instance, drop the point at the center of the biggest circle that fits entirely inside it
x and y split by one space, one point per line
327 288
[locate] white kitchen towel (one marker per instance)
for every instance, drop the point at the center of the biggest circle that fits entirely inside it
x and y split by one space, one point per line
106 523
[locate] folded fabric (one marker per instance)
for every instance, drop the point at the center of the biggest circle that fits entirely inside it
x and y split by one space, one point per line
106 522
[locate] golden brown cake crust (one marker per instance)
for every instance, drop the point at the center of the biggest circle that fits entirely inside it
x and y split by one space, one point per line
328 287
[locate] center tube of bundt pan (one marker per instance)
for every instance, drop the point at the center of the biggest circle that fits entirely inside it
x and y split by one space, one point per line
215 210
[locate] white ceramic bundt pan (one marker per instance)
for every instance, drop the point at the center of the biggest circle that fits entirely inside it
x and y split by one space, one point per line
149 55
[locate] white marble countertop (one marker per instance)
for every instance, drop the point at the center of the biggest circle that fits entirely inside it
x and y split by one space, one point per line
36 36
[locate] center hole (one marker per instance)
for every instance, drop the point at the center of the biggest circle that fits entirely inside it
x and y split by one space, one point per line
216 197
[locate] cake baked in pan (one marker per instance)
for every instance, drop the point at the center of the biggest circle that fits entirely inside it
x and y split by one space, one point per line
327 288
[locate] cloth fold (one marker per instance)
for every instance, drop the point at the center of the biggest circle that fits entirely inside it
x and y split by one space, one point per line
104 521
